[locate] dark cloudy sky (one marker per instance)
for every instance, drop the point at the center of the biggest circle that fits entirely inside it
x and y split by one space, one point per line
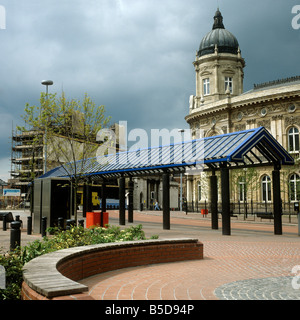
133 56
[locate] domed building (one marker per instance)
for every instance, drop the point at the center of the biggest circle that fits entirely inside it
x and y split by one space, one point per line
219 66
221 106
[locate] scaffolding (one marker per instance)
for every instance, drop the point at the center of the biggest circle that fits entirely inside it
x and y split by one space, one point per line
28 153
27 157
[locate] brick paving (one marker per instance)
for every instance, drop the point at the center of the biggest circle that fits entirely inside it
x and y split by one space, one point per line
250 264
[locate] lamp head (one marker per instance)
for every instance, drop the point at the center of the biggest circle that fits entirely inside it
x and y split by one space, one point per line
47 82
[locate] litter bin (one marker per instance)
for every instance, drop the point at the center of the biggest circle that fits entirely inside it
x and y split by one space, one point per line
105 219
92 219
204 212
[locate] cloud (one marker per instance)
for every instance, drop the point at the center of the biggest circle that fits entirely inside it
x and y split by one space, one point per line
133 56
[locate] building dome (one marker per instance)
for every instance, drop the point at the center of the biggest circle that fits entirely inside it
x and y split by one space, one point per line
225 41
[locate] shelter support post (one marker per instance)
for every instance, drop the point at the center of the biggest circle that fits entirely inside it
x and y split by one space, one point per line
166 201
214 201
84 200
72 198
130 201
41 206
226 228
103 201
87 198
277 209
122 201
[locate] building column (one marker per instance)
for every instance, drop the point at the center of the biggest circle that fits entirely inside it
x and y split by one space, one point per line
226 228
189 192
217 90
214 201
130 200
122 201
277 204
158 197
166 201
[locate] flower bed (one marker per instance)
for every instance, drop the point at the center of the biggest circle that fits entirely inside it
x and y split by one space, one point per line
13 262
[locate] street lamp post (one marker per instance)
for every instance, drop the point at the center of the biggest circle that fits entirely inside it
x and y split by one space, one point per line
46 83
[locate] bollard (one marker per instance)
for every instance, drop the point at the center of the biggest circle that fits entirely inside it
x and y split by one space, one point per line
81 223
18 219
70 223
61 223
4 223
44 226
29 225
15 235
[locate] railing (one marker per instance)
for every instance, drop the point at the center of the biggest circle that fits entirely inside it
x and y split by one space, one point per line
246 208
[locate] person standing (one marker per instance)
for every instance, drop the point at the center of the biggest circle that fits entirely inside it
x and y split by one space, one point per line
156 207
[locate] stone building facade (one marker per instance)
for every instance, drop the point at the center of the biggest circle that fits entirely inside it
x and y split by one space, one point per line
221 106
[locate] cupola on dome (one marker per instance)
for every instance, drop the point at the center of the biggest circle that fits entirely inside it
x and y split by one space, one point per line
219 38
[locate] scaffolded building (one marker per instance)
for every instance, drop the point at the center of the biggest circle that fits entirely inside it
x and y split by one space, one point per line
27 158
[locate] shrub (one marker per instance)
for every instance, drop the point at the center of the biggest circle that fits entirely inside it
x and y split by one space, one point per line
13 264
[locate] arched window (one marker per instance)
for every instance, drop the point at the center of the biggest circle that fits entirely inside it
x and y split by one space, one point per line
266 188
293 140
294 187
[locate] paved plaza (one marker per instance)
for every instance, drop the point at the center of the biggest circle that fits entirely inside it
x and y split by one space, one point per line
251 264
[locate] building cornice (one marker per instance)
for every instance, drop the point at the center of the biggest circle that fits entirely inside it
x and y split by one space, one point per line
215 57
250 98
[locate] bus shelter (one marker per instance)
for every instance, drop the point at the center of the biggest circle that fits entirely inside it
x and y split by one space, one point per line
248 148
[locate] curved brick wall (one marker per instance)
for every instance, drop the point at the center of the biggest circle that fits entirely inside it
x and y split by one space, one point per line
53 276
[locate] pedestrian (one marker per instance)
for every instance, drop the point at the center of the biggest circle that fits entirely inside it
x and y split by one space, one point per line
156 207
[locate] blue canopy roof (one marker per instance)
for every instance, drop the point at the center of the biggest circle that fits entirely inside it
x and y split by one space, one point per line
244 148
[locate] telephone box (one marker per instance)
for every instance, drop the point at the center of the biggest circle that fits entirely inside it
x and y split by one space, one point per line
51 200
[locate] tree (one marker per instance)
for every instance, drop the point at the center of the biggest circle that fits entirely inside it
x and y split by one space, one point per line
69 130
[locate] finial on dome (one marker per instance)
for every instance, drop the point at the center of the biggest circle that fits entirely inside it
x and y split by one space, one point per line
216 49
218 21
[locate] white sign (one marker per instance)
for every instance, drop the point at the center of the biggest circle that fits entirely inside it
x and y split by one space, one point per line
2 278
11 192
